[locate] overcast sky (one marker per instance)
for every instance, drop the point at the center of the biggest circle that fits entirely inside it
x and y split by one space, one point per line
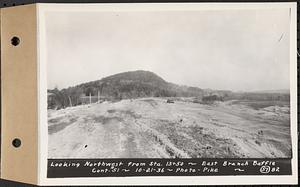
240 50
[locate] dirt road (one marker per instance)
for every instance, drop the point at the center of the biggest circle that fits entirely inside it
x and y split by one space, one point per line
152 128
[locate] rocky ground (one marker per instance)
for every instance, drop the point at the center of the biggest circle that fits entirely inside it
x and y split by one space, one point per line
153 128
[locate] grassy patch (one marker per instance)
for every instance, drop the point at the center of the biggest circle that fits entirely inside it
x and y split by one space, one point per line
152 102
111 111
60 126
104 119
56 120
196 142
130 113
262 104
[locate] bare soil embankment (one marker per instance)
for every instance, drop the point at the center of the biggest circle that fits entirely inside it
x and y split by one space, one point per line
153 128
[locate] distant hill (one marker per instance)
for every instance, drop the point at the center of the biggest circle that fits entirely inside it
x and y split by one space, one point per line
132 84
280 91
136 84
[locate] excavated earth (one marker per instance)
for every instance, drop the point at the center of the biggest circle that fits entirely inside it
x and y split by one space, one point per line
153 128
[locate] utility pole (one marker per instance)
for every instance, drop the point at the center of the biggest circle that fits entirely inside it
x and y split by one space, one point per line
90 98
70 101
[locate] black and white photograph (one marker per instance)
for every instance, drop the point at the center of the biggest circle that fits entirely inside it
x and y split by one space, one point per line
207 83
